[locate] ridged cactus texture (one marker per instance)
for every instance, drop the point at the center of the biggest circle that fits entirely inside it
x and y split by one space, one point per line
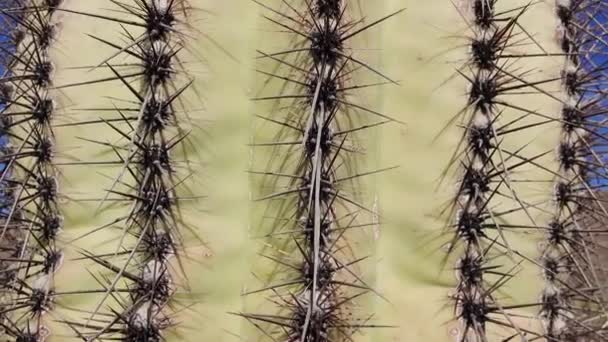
139 275
480 223
383 206
475 299
574 299
140 279
315 285
571 307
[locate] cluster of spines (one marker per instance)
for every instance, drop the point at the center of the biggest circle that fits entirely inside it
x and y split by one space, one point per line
12 238
319 287
479 230
315 307
475 186
8 39
8 45
31 209
141 278
572 303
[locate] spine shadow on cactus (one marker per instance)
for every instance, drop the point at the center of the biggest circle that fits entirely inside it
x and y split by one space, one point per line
311 272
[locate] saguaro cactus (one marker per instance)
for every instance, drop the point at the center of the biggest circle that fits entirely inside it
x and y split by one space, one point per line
152 128
487 168
315 280
573 300
117 116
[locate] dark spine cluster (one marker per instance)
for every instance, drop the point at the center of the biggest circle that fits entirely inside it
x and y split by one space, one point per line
316 309
319 284
572 304
573 300
472 297
31 215
480 231
138 277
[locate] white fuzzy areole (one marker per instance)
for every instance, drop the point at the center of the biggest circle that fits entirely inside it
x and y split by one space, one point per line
480 121
159 46
154 270
140 317
43 283
161 5
41 331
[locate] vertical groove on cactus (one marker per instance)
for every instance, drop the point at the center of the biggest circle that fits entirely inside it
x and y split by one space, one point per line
314 283
32 217
572 305
138 273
